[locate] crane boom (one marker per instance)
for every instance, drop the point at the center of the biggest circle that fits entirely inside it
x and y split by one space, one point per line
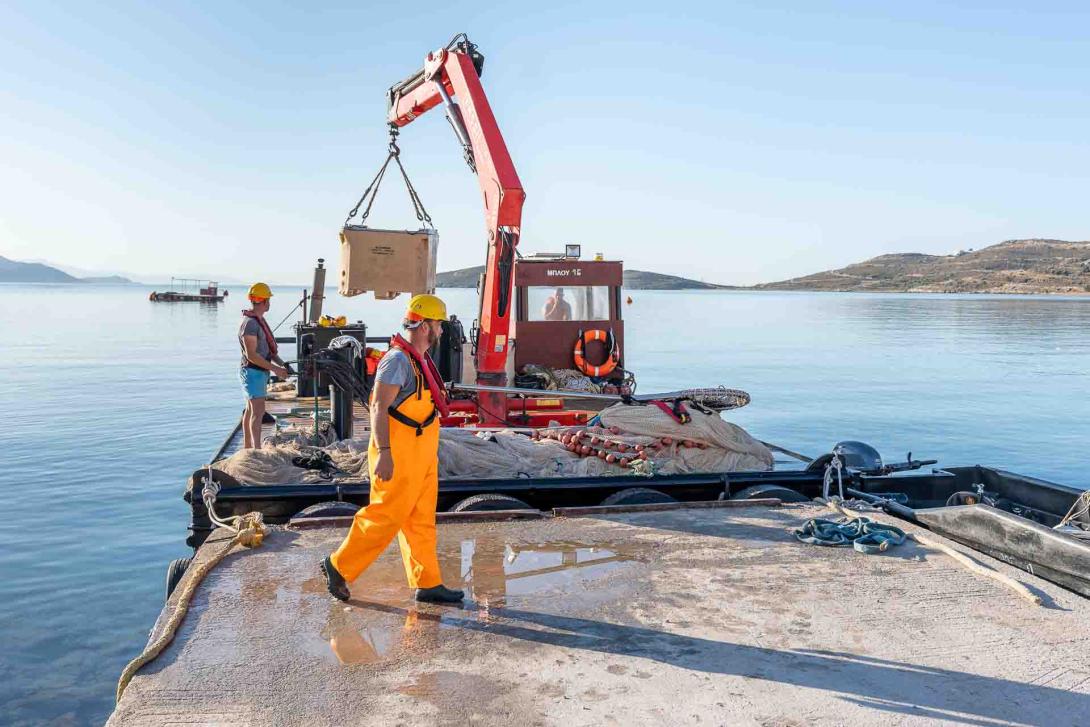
453 73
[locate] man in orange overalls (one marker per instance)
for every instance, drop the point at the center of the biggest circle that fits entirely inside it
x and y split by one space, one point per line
403 459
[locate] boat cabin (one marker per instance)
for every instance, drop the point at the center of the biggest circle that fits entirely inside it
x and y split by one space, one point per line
560 297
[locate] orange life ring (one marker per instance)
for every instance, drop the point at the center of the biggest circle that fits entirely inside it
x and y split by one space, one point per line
607 366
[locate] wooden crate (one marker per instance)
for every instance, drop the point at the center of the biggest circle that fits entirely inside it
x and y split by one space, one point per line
388 262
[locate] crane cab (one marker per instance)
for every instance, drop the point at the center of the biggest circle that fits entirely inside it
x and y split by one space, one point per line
559 297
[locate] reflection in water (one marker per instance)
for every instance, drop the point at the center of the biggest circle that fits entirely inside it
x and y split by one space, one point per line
492 571
362 644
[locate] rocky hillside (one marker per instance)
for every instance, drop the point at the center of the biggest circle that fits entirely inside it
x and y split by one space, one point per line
1014 266
643 280
464 278
13 271
633 280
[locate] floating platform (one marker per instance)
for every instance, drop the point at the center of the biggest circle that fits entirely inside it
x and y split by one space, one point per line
688 616
209 293
170 296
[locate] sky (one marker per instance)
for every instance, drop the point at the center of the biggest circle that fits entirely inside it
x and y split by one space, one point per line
732 142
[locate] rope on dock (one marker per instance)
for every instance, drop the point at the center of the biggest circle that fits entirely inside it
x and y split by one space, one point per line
860 533
249 532
957 555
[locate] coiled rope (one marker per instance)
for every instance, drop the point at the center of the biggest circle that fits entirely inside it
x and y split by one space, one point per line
861 533
249 532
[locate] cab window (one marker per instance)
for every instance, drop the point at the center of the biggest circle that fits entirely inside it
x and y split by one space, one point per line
568 303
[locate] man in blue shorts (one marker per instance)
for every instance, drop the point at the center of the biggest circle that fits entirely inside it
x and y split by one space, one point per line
259 357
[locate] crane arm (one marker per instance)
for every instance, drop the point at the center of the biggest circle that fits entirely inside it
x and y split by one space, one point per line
453 73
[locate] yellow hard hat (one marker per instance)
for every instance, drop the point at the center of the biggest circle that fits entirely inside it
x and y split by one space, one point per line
261 291
426 306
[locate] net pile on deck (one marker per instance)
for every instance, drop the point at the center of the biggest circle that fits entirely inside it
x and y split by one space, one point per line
636 440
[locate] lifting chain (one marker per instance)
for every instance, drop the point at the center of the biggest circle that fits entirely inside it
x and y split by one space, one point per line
371 192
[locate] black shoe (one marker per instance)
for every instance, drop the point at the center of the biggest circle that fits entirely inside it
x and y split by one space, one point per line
439 594
334 582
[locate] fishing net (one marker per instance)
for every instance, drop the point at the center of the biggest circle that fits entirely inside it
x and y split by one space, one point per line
533 376
718 398
634 440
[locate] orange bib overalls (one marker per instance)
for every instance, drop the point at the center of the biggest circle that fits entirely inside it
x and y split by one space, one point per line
404 503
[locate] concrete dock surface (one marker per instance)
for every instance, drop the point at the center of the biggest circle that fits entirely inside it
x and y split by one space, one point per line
709 617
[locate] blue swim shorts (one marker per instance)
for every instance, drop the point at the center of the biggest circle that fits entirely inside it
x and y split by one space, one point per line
254 382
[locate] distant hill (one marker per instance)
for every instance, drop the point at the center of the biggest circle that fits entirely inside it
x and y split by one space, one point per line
643 280
1014 266
464 278
13 271
633 280
109 280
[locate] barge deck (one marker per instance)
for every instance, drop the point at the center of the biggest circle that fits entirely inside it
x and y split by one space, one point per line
687 616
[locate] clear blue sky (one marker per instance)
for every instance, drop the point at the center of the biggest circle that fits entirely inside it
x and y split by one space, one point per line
733 142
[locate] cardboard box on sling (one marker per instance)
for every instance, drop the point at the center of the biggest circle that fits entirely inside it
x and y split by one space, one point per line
388 262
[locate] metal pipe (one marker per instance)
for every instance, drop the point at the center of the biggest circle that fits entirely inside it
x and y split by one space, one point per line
788 452
553 393
549 393
317 294
453 115
893 508
340 407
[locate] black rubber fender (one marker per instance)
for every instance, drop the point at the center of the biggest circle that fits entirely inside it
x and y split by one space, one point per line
175 571
490 501
638 496
819 464
781 493
330 508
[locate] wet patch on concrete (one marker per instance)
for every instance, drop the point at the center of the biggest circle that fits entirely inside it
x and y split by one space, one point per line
497 572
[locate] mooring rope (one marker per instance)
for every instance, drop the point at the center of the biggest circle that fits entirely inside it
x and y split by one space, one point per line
1080 507
837 466
249 532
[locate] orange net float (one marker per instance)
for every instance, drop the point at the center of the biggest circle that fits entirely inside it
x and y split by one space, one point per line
613 358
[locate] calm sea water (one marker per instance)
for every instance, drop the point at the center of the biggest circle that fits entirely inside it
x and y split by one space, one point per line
108 402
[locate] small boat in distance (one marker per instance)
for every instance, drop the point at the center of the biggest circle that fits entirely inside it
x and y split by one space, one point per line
207 292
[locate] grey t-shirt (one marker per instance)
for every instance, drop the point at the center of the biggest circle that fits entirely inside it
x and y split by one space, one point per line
396 368
250 327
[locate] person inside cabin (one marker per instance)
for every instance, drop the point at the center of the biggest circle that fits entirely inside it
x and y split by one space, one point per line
407 402
259 358
556 308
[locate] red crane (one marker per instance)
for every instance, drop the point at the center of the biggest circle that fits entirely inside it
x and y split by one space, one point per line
450 73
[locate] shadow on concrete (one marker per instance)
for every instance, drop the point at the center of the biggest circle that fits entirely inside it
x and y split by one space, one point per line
889 686
1047 601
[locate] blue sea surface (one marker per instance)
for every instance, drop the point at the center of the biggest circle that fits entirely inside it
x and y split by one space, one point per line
108 402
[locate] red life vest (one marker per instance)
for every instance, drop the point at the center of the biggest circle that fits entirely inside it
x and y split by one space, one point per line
269 337
431 373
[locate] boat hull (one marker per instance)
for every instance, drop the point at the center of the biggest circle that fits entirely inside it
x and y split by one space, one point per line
1027 545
